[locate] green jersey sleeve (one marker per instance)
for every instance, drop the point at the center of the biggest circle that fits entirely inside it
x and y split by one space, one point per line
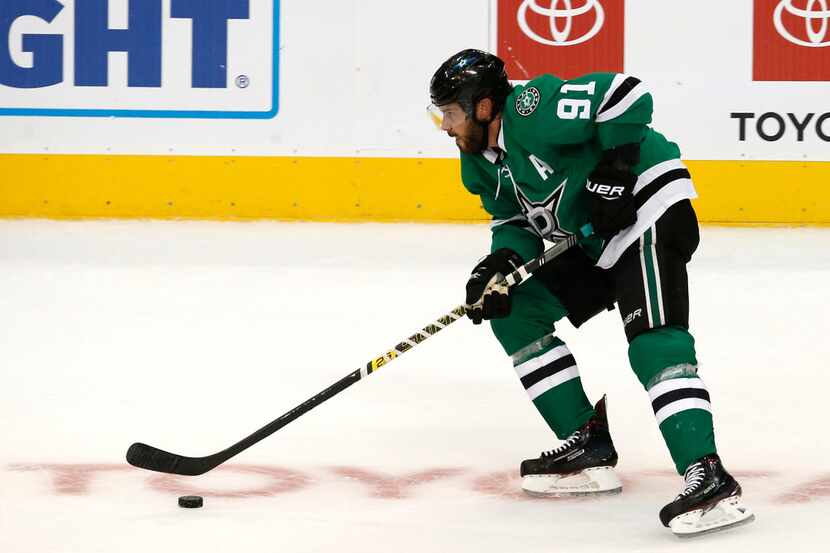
609 108
509 226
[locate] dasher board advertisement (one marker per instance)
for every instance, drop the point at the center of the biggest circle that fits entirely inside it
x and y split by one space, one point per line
139 58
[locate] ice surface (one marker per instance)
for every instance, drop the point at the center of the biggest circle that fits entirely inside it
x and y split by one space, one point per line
190 335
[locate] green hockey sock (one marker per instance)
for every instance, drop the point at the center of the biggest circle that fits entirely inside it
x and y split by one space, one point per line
550 376
664 360
689 435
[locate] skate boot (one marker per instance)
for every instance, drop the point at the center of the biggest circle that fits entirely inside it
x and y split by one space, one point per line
710 501
582 465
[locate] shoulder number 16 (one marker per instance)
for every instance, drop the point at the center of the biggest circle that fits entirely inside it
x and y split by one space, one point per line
568 108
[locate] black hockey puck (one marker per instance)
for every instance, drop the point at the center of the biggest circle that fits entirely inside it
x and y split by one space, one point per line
191 501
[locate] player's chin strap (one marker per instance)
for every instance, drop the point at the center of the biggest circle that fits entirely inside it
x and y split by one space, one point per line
151 458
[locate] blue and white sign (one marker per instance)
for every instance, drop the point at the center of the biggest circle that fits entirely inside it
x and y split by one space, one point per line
139 58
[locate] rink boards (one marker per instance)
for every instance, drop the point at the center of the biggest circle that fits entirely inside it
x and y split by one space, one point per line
315 111
354 189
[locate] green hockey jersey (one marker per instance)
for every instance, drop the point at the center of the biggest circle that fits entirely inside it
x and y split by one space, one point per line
552 136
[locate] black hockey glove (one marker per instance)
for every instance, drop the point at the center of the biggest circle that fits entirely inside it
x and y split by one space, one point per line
611 191
486 299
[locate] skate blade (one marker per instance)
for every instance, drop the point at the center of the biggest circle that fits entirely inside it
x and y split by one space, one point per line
593 481
726 514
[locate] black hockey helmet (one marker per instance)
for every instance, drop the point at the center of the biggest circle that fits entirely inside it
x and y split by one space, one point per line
469 76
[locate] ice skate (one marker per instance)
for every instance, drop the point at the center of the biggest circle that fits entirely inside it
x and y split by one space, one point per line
582 465
711 501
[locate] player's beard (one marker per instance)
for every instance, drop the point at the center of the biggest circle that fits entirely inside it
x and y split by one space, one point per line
474 141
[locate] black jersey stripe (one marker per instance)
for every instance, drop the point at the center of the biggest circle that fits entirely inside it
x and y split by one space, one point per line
677 395
621 92
548 370
654 186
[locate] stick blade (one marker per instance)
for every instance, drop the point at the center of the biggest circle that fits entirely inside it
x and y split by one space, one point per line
148 457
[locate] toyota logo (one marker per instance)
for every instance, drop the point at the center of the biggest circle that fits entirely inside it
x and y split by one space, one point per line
816 22
562 36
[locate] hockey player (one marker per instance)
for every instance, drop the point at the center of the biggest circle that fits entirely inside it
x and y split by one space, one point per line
546 158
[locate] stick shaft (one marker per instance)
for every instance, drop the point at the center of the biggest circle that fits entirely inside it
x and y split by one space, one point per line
151 458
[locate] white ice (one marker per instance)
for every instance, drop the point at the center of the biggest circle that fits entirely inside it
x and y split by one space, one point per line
188 336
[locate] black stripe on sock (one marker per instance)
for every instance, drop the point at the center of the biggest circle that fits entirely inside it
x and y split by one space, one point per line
654 186
550 369
621 92
677 395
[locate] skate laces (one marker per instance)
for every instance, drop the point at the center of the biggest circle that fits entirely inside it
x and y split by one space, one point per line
694 476
567 444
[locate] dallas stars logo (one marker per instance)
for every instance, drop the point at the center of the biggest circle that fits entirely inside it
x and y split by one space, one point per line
542 215
527 101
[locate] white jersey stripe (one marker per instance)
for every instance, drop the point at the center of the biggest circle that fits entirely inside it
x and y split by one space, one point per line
620 107
648 176
618 79
667 196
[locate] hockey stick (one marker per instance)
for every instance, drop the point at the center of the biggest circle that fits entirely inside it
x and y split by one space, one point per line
148 457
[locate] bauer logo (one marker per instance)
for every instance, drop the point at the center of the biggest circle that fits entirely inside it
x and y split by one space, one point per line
564 37
139 58
791 40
